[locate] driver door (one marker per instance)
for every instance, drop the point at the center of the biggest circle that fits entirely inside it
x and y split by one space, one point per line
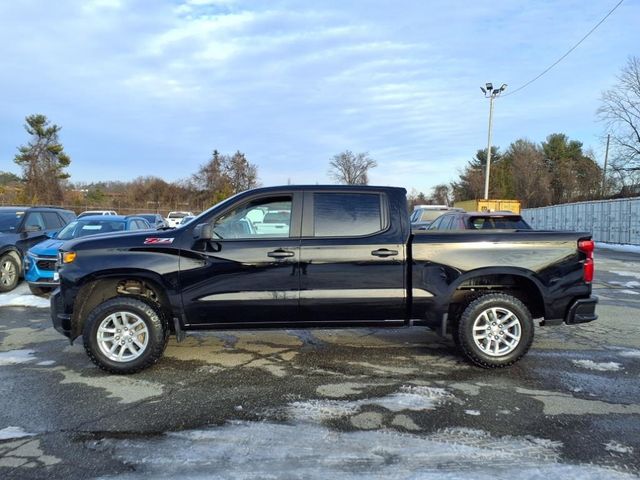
249 272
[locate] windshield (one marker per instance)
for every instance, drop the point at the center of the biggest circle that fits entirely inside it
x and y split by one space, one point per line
81 228
9 221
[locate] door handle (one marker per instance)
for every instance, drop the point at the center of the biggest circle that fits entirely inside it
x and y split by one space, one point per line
384 252
280 253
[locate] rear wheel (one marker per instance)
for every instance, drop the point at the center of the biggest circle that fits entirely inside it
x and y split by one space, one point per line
495 330
9 273
39 291
125 335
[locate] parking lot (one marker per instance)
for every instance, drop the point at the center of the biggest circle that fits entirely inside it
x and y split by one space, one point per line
356 403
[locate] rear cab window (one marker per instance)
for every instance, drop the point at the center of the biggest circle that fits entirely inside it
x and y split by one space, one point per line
348 214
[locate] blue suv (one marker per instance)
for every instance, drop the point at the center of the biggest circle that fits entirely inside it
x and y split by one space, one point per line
40 261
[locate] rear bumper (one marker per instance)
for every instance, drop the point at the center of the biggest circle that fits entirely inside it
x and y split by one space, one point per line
582 310
61 321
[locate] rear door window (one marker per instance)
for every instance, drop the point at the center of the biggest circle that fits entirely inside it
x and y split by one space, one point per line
347 214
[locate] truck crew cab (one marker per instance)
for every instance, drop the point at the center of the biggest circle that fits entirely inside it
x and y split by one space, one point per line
341 256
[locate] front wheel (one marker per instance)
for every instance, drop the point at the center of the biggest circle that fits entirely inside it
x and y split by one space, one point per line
9 273
495 330
125 335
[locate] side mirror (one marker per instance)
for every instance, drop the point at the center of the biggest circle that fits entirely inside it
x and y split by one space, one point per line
203 231
53 234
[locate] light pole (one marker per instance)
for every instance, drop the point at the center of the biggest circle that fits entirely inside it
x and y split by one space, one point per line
490 93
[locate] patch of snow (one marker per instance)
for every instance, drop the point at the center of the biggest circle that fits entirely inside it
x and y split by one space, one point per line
474 413
407 398
630 292
599 366
14 432
617 447
13 357
630 353
22 297
619 247
412 398
46 363
265 450
631 284
626 273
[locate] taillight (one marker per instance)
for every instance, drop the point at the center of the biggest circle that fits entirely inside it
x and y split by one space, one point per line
587 247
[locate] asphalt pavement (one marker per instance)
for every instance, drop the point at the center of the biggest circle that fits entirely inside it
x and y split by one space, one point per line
344 403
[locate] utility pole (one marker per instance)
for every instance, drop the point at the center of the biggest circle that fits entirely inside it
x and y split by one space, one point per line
604 171
490 93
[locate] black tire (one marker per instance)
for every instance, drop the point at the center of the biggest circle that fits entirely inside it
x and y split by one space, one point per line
39 291
153 318
9 280
464 330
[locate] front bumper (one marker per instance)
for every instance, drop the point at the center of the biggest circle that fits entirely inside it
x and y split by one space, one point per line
61 321
582 310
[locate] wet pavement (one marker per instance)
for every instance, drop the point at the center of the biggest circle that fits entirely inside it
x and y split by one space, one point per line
353 403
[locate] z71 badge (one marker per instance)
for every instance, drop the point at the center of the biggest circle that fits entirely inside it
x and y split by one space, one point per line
158 241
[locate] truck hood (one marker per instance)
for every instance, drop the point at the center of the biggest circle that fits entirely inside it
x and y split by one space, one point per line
48 247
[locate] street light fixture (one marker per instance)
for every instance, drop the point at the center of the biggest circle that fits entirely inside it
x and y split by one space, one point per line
490 93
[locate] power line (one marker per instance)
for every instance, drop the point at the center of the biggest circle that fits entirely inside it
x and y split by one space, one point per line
567 53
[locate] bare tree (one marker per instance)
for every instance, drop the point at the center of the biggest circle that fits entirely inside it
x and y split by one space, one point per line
350 168
441 194
620 111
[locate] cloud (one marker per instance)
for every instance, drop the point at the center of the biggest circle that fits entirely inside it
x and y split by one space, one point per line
153 87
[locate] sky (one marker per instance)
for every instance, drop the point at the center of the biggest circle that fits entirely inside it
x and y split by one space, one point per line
153 87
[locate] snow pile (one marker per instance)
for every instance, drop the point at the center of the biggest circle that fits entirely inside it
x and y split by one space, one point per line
14 432
13 357
601 366
22 297
264 450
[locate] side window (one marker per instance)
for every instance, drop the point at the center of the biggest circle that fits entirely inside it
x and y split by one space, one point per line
435 225
346 214
268 217
34 221
52 220
446 222
143 225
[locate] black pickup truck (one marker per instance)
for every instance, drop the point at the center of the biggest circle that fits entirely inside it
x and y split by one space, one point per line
318 256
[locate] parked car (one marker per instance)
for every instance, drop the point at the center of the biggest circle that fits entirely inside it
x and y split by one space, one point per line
423 215
186 219
174 218
479 221
97 212
20 229
40 260
155 219
348 258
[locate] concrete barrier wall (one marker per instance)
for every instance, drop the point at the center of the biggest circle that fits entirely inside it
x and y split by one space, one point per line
611 221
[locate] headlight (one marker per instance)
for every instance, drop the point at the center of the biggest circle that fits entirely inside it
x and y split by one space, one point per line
68 257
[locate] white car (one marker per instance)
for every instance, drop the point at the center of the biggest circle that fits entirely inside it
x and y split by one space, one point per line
97 212
174 218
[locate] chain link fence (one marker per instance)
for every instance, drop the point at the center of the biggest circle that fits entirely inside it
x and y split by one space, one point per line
609 221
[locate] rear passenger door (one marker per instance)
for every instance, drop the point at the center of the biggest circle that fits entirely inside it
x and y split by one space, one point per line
351 258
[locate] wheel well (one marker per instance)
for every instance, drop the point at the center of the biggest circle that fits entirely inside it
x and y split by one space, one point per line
98 291
520 287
